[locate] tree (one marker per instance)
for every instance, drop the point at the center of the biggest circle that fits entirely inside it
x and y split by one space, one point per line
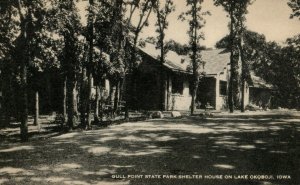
101 68
240 27
254 51
66 23
277 65
44 61
144 8
236 10
281 69
180 49
162 23
113 36
30 54
117 52
196 21
223 43
295 6
294 42
28 16
87 73
8 33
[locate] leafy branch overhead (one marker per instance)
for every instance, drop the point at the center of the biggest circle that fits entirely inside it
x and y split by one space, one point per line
295 6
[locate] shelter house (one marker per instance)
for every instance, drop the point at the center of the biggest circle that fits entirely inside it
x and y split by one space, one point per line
168 86
177 80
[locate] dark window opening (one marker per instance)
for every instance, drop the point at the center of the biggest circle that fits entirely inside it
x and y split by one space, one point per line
177 85
223 88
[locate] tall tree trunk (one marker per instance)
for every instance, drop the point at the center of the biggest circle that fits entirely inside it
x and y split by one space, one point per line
194 58
195 78
162 83
64 103
112 97
242 76
193 102
243 97
82 99
26 33
127 93
90 63
24 103
89 101
116 98
36 110
232 68
75 97
96 111
101 104
230 89
194 94
71 101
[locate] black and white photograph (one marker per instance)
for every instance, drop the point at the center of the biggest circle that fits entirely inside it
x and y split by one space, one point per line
150 92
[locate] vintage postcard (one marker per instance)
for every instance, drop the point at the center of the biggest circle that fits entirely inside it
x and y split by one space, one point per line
139 92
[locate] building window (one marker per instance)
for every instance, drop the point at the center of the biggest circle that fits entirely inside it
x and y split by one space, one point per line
223 88
177 85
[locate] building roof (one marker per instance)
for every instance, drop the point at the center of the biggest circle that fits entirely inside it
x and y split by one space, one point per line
215 60
173 61
258 82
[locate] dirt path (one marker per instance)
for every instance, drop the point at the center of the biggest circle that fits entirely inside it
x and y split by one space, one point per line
205 150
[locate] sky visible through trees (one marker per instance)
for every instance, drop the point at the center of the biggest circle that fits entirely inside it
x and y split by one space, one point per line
268 17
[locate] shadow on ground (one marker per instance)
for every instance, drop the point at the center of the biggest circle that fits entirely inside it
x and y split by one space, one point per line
261 145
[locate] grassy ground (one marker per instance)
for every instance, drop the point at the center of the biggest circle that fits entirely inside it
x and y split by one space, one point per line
190 150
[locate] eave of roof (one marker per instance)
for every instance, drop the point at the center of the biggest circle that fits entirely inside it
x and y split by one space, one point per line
172 59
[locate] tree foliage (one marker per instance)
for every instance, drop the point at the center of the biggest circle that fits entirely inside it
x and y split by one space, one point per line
65 22
280 67
295 6
25 45
180 49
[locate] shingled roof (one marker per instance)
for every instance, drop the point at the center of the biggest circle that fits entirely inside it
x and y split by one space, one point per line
215 60
173 61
